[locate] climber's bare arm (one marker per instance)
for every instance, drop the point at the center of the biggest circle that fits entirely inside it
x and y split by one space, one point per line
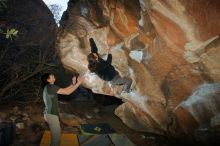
71 88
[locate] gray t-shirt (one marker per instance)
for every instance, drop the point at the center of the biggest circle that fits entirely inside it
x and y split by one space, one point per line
50 99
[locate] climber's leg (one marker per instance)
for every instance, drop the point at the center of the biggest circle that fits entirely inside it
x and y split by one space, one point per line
118 80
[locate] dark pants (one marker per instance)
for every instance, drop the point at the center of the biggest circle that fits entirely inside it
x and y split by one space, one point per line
118 80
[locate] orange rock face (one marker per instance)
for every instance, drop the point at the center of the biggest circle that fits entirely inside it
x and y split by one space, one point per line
170 49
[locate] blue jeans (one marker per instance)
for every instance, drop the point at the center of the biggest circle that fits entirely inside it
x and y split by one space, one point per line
54 125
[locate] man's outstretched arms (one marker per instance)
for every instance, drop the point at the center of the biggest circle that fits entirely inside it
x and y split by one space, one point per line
71 88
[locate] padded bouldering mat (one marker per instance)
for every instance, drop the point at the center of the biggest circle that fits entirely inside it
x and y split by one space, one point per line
67 139
104 140
100 128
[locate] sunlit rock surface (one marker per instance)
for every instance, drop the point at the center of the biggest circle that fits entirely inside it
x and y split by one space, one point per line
169 48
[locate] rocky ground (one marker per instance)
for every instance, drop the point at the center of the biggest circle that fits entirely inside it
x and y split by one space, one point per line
30 124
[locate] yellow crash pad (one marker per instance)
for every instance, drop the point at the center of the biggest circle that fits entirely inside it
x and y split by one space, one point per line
67 139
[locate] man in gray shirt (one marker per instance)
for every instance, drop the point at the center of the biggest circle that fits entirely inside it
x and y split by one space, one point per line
50 99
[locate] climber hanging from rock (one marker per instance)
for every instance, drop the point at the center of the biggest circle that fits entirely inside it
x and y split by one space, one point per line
104 69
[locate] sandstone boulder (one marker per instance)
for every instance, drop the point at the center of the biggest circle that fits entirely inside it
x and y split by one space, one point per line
170 50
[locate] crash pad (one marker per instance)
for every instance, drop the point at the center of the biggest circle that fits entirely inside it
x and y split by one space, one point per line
99 128
67 139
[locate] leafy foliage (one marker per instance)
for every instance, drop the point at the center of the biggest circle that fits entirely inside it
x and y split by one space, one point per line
10 33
